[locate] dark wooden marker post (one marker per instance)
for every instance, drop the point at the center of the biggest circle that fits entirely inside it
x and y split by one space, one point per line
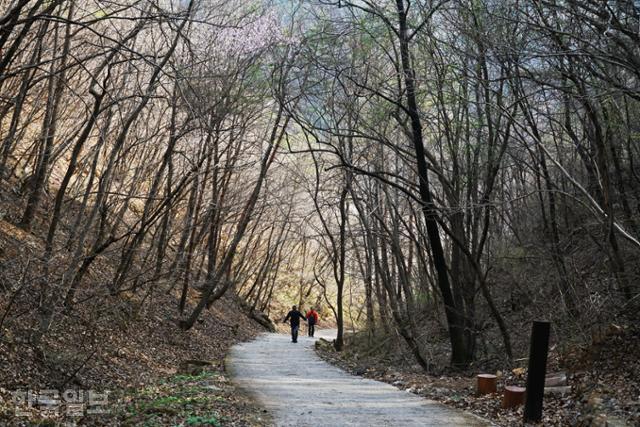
537 370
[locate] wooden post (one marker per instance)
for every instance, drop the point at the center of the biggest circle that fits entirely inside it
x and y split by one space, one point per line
537 368
487 383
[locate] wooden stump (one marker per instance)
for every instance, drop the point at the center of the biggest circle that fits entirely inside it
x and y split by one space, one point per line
513 396
487 384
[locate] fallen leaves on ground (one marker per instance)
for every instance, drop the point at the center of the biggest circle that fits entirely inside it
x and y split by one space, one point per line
604 389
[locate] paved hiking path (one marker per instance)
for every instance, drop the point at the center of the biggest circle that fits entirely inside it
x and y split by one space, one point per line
300 389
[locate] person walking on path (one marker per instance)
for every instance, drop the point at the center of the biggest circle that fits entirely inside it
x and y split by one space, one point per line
312 320
295 316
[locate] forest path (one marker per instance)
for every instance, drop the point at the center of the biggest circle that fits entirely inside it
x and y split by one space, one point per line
300 389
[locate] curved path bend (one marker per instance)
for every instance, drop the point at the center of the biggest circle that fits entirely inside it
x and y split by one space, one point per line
300 389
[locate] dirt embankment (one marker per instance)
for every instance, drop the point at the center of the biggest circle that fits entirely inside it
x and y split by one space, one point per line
128 344
603 378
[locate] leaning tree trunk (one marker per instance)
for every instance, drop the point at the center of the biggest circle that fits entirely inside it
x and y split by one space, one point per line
460 353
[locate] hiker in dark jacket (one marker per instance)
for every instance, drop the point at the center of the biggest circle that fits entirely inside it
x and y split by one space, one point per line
295 317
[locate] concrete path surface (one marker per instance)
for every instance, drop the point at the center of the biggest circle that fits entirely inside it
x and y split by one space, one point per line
300 389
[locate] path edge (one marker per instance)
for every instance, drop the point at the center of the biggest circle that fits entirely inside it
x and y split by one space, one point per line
253 397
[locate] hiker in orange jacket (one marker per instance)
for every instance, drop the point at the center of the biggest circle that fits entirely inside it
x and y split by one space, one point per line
312 319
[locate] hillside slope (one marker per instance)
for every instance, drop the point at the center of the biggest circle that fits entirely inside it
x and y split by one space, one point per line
123 343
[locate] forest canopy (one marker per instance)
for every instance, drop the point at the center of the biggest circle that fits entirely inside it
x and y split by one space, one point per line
470 162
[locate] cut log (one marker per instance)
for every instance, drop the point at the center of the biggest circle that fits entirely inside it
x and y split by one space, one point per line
323 344
556 380
513 396
487 384
264 320
557 391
